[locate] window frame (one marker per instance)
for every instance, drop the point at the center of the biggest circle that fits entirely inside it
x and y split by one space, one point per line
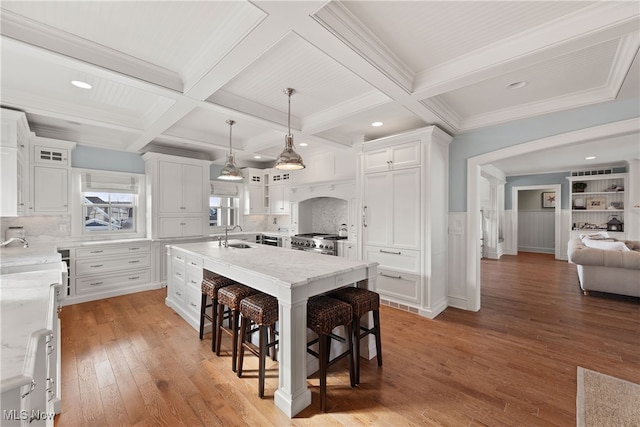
225 190
78 207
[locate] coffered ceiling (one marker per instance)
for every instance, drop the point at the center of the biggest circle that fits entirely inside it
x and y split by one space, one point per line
169 74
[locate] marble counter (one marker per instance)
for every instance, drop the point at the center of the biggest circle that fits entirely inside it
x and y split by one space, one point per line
27 302
33 255
287 267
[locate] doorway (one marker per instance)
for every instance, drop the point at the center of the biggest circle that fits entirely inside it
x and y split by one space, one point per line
544 215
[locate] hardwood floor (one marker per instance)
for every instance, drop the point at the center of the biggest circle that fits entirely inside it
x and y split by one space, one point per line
132 361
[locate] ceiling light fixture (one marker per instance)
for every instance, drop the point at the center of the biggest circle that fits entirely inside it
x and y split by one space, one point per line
590 157
376 124
230 171
303 144
517 85
289 159
257 157
81 84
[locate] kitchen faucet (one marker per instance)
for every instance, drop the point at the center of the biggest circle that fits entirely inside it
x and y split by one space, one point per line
13 239
226 235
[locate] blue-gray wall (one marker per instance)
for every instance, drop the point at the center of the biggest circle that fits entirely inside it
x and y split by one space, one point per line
543 179
87 157
481 141
83 156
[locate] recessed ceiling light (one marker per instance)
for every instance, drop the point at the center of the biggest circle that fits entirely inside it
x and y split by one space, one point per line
517 85
376 124
81 84
590 157
257 157
303 144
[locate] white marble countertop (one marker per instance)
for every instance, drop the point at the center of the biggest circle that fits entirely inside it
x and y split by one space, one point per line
25 310
33 255
285 266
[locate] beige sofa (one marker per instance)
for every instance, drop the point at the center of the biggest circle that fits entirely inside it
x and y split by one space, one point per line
616 272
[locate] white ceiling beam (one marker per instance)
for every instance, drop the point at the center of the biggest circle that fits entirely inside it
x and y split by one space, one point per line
586 27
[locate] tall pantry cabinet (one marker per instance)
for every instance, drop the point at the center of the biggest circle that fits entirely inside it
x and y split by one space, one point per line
403 181
177 196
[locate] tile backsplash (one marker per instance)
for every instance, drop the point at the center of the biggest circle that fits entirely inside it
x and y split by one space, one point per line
40 229
327 213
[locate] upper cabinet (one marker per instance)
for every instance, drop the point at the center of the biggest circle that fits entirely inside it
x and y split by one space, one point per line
278 191
14 158
177 196
392 158
51 167
256 200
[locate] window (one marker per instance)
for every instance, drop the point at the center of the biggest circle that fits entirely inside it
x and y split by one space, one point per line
224 205
110 202
223 211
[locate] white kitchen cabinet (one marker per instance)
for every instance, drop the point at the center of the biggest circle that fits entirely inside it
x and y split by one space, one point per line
347 249
279 200
392 158
404 204
110 270
14 158
184 278
50 171
392 208
50 190
256 200
178 192
181 187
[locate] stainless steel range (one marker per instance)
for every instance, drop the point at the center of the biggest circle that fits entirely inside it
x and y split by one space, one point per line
316 242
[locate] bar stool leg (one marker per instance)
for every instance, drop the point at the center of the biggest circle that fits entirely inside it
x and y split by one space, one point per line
350 346
323 357
219 325
263 340
203 307
356 346
244 324
376 324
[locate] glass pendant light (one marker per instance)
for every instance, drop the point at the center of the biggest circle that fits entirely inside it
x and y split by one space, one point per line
230 171
289 159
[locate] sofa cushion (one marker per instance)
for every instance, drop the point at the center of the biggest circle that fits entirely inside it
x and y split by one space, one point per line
605 244
578 253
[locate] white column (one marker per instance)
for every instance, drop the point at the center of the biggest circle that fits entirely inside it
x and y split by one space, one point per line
292 395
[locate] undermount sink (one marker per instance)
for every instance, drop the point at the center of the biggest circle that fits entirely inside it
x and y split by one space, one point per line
239 245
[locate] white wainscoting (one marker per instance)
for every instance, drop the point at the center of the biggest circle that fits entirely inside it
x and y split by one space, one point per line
457 260
536 231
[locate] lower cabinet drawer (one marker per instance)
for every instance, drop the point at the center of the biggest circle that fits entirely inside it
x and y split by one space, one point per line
398 285
99 265
397 259
193 300
112 281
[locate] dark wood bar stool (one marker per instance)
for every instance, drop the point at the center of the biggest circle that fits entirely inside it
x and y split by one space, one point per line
230 296
262 310
323 315
362 301
211 282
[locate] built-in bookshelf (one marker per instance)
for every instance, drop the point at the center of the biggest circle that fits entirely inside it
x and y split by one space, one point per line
596 200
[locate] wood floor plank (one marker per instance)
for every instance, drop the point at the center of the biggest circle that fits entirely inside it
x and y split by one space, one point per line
513 363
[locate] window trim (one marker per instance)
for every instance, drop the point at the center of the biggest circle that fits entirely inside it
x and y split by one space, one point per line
225 189
77 216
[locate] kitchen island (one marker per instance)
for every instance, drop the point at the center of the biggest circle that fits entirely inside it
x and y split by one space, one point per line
291 276
30 365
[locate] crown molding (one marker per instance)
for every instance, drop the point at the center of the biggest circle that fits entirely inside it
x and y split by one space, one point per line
627 50
37 34
340 22
443 110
